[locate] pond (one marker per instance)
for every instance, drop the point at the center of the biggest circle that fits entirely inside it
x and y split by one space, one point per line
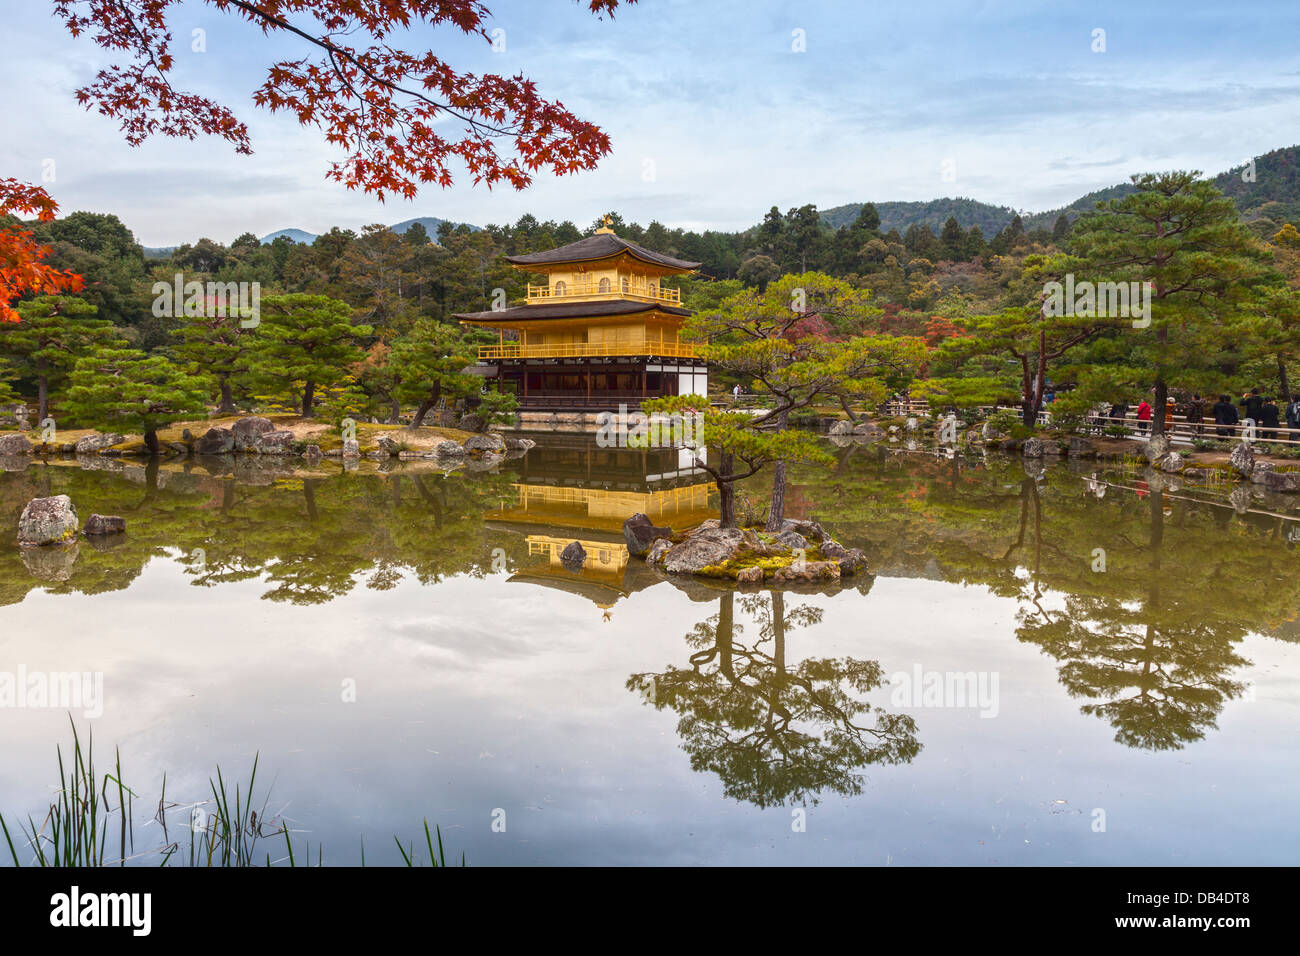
1046 666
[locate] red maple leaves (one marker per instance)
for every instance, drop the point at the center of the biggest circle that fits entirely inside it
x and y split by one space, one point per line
383 106
21 269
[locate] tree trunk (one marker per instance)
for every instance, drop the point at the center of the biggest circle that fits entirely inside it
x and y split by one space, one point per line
396 413
776 513
1283 381
42 398
308 397
726 492
424 409
227 398
151 441
1158 407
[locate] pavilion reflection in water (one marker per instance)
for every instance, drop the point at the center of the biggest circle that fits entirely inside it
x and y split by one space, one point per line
571 489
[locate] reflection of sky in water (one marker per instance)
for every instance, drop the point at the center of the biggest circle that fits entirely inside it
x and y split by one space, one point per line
477 694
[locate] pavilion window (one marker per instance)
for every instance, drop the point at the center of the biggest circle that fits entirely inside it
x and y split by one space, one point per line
604 285
561 287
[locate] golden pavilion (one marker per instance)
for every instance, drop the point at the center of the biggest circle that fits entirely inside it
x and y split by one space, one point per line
603 330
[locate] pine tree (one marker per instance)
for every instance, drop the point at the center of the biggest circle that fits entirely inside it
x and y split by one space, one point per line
1182 235
125 389
952 240
303 340
430 364
215 346
53 333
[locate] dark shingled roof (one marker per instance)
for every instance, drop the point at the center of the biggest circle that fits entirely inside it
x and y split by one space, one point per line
600 246
571 310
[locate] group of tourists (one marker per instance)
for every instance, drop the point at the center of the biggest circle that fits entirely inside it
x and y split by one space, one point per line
1262 410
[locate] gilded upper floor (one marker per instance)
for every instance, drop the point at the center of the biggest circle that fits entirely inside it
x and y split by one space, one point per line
600 267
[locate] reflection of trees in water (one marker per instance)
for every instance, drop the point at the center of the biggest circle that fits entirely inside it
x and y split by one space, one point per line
1151 643
311 539
1158 667
773 732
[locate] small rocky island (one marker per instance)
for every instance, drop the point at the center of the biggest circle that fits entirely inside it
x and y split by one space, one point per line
800 553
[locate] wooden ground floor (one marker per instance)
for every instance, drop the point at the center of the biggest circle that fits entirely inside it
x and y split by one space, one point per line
594 384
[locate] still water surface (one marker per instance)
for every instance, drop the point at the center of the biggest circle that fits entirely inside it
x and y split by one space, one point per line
1134 651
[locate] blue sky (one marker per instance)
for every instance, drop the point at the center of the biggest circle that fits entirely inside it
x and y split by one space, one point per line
714 117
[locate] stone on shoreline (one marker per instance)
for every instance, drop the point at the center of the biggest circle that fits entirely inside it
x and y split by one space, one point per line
97 443
1242 459
640 533
248 430
217 441
14 445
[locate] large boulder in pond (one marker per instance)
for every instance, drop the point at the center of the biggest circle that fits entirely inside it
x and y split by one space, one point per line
573 557
1033 448
841 428
14 445
105 524
640 532
388 445
93 444
217 441
712 546
48 521
1242 459
248 430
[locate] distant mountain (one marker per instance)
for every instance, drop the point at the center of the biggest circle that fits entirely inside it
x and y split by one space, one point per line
1266 188
293 235
934 213
158 252
1271 189
430 223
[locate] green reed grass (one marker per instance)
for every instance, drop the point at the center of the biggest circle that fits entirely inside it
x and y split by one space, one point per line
75 830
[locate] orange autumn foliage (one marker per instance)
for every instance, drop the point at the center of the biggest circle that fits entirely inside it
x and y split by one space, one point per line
21 269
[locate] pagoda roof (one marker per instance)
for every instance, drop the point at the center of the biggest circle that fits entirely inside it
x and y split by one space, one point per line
570 310
602 245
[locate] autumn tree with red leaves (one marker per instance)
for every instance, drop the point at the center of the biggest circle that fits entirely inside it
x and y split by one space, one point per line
21 269
385 107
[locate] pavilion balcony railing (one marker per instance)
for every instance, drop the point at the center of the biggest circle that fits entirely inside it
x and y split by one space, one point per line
624 289
643 347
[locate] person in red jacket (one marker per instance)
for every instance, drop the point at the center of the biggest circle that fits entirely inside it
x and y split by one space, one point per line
1144 415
